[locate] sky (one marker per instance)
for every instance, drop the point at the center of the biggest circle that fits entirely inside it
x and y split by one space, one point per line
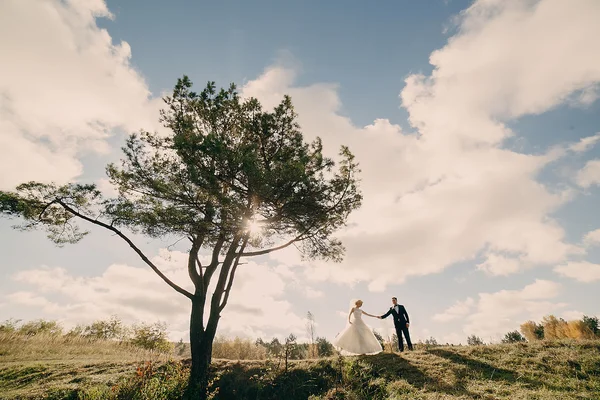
476 125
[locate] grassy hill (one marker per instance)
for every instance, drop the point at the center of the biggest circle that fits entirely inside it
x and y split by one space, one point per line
63 368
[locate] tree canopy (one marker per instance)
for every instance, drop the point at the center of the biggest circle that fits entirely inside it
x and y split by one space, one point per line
229 176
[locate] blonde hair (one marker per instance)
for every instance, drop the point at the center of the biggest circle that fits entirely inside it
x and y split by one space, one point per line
357 302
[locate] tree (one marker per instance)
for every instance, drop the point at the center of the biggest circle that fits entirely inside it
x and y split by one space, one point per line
324 347
41 327
431 342
230 178
513 337
106 329
153 337
289 349
532 331
474 341
310 331
379 339
592 324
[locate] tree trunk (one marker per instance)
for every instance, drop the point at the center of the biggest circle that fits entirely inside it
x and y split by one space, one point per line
201 342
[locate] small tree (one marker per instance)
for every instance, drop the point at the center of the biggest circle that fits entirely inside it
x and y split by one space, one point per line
532 331
513 337
432 342
152 337
379 339
310 331
592 324
289 349
324 347
41 327
393 342
9 326
474 341
109 329
230 178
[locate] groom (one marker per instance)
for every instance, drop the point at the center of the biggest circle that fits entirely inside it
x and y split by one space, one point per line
401 322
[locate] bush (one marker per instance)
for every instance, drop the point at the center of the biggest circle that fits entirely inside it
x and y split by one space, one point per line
151 337
474 341
513 337
9 326
106 329
532 331
592 324
238 349
324 347
41 327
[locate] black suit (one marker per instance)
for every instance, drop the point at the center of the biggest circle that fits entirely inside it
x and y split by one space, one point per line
400 321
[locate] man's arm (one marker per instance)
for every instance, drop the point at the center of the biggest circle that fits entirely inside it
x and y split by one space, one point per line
386 314
403 311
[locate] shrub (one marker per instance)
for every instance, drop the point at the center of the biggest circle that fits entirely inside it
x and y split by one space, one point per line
532 331
474 341
41 327
324 347
513 337
106 329
151 337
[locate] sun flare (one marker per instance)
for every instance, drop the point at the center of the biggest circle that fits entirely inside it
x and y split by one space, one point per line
254 227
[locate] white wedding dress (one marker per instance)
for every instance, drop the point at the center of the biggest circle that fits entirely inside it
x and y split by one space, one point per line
357 338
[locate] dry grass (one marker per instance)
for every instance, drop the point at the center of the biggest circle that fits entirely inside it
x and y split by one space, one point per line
542 370
23 349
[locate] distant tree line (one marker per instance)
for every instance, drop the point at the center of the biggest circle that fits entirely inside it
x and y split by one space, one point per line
147 336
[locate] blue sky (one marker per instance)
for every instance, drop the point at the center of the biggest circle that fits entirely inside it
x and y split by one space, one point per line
475 124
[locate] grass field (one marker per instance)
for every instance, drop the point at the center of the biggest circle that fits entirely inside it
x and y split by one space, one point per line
62 368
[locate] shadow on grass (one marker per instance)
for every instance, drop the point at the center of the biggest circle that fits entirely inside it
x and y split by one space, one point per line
485 371
247 381
393 367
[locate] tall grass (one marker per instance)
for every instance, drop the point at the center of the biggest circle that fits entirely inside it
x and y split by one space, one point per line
22 348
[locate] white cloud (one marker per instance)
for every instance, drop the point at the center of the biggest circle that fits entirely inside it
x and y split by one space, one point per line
581 271
443 195
458 310
503 311
64 87
499 265
585 143
592 238
257 305
589 175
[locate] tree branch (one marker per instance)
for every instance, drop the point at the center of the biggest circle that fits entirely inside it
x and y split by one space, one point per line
232 274
193 256
214 263
132 245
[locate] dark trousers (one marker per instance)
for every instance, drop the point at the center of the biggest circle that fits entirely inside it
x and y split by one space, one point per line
403 330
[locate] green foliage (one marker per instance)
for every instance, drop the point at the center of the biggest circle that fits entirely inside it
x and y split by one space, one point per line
431 342
9 326
592 324
532 331
513 337
112 328
226 165
151 337
40 327
379 339
324 347
474 340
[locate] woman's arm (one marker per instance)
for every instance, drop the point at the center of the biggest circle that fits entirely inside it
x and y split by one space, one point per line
351 311
371 315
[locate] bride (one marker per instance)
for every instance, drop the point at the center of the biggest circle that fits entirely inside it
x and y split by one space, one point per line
357 338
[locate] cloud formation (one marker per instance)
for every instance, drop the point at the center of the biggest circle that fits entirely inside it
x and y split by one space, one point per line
64 88
450 191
